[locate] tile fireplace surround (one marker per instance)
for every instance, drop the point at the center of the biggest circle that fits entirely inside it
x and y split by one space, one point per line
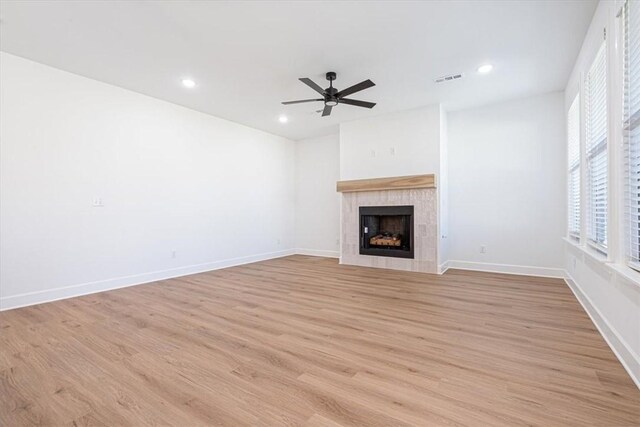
418 191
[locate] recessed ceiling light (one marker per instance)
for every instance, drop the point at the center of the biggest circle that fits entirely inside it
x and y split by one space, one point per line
188 83
485 68
283 119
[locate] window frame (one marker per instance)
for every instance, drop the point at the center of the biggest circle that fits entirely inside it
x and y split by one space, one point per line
630 122
594 150
574 166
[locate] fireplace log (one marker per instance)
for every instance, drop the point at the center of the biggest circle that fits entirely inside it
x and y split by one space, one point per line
381 240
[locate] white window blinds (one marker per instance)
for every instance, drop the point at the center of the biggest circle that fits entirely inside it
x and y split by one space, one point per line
631 128
573 157
596 145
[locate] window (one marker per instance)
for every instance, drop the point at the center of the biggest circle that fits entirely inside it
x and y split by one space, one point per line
573 157
631 129
596 151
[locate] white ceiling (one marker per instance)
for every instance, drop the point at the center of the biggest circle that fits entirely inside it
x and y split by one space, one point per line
246 57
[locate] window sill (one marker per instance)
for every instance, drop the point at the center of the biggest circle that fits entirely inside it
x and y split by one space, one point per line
572 241
588 250
626 272
623 270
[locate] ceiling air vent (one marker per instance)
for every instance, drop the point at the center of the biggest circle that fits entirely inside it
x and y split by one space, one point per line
449 78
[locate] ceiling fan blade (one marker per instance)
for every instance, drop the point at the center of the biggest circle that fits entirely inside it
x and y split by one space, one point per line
355 88
327 110
357 103
301 101
312 85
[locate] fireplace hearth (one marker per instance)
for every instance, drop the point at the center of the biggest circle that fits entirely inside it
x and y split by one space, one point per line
386 231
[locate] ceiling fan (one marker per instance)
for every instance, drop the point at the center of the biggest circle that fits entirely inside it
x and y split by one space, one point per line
332 96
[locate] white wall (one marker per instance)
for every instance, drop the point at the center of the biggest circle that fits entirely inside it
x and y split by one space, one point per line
443 186
608 289
171 179
507 186
397 144
317 201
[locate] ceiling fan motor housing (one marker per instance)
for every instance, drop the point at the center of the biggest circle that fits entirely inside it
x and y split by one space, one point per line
330 98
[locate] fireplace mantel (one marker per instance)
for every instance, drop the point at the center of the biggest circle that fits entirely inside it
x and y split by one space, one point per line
389 183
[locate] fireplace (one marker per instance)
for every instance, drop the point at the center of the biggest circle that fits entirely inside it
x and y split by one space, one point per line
366 203
386 231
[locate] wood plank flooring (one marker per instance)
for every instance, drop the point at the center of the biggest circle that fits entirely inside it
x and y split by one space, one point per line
304 341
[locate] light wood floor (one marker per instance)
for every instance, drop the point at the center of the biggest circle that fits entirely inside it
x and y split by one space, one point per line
304 341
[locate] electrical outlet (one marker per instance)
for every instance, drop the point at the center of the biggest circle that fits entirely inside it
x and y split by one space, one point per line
97 202
174 254
392 151
372 153
483 249
278 242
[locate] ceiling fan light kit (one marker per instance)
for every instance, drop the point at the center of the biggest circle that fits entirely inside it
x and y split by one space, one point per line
332 96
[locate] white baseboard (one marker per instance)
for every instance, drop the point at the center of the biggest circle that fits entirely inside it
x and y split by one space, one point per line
627 357
506 269
32 298
318 252
442 268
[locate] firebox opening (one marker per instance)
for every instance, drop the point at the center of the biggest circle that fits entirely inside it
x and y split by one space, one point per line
386 231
